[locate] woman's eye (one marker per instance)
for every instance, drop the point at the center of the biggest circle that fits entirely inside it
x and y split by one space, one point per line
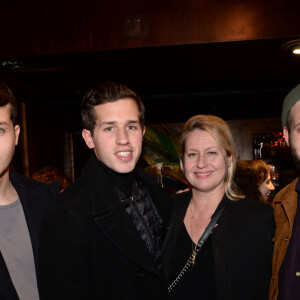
211 153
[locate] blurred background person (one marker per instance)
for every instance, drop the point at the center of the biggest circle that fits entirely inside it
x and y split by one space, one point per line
49 174
254 179
233 258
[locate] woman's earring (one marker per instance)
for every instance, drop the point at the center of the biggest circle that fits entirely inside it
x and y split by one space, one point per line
181 165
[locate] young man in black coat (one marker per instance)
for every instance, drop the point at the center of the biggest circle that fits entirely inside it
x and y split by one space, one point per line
23 204
103 238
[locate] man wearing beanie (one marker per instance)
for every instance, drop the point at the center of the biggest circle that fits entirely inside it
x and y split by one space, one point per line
285 282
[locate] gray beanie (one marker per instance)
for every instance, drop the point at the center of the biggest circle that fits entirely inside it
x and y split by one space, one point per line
292 97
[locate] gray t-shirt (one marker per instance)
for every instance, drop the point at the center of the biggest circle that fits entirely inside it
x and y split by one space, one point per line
16 249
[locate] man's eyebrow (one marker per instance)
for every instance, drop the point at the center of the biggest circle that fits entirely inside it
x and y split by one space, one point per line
115 122
133 121
3 123
107 123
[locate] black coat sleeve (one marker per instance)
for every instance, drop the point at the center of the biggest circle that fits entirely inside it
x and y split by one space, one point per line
63 257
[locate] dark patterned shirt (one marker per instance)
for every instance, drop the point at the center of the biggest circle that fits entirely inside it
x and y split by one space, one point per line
144 216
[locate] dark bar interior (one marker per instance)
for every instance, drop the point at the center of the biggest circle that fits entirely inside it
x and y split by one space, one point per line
231 59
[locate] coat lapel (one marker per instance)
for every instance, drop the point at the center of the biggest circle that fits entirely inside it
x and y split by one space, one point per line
179 207
178 210
29 208
112 219
35 199
219 252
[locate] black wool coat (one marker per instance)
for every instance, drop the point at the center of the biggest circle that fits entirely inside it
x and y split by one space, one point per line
89 247
35 198
242 247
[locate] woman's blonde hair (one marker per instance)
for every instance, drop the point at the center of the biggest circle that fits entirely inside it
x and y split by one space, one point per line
220 131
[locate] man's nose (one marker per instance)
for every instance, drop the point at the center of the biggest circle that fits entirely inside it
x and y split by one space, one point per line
122 137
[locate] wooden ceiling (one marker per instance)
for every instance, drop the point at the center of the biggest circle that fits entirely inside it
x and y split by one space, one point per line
183 56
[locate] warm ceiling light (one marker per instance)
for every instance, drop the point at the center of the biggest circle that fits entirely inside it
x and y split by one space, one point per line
292 46
296 50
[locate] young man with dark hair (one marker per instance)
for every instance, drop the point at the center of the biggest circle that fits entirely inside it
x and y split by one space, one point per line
103 238
23 204
285 282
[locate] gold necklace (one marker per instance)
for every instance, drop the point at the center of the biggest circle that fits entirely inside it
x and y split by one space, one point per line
194 252
194 248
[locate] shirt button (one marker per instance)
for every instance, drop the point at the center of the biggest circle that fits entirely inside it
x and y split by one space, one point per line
139 275
274 277
298 274
286 239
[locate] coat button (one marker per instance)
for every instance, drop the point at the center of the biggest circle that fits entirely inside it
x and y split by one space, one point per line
139 275
168 227
298 274
286 239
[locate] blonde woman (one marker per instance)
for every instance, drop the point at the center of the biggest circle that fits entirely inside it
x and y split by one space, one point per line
233 258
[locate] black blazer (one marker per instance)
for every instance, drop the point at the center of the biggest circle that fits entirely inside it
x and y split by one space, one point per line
89 247
35 197
242 246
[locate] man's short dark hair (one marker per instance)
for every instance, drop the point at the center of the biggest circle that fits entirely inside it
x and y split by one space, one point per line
104 93
7 97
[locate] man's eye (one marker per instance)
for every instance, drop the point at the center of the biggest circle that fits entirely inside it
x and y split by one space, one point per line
132 127
191 154
2 130
108 129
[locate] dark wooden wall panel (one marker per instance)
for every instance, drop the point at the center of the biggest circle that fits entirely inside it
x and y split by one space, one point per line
37 27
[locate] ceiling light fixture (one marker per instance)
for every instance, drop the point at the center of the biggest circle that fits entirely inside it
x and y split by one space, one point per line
11 65
292 47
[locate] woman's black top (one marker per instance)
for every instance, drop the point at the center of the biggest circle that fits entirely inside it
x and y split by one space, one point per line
199 281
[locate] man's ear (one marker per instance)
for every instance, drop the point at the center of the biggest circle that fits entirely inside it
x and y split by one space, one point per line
87 136
17 133
286 135
144 130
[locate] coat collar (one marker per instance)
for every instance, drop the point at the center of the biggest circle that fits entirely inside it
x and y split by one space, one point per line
286 199
112 219
26 189
180 204
35 198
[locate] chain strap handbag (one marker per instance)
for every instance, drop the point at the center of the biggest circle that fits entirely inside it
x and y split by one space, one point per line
202 240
